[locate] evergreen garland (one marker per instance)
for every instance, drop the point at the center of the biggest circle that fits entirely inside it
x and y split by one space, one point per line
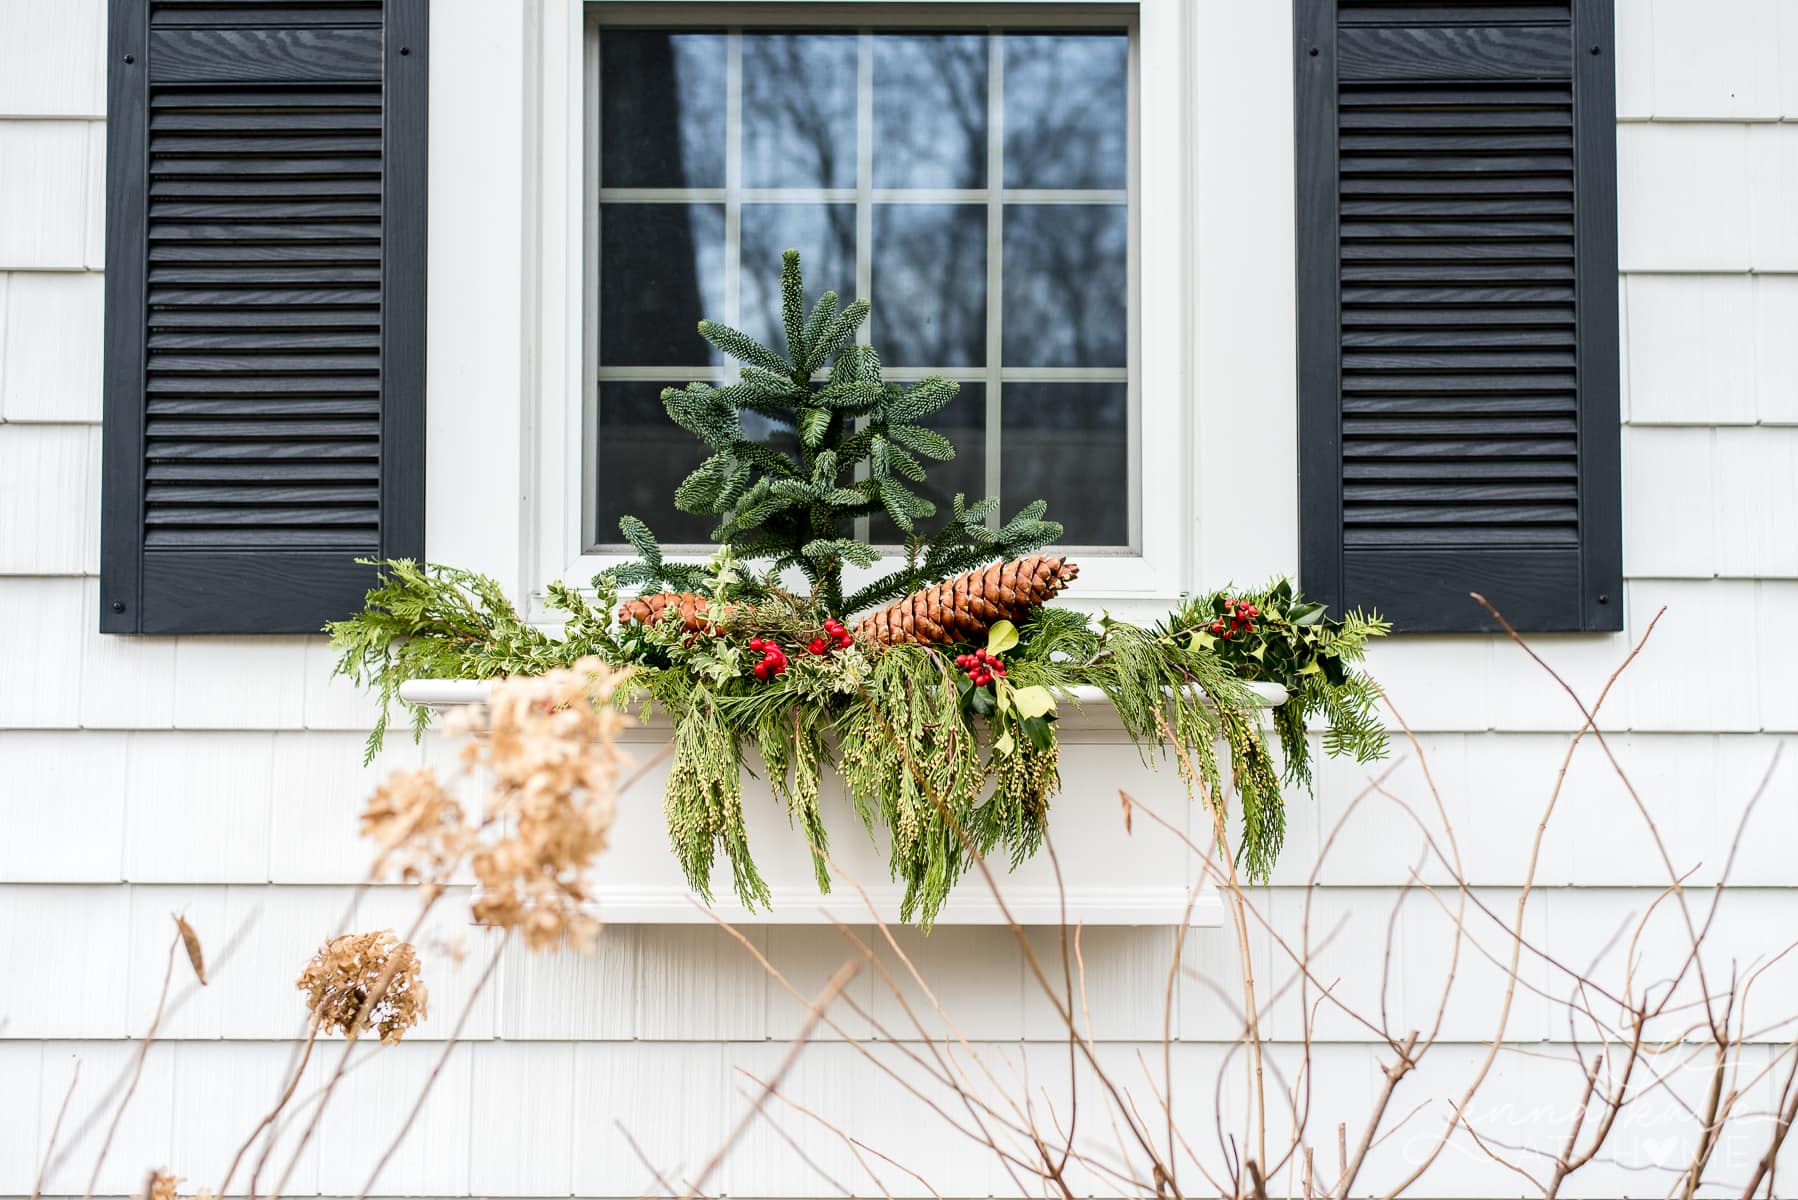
943 764
951 748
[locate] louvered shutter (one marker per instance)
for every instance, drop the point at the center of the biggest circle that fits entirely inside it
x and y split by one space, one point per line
1457 290
265 259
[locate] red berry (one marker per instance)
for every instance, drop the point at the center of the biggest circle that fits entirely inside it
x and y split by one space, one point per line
761 670
998 668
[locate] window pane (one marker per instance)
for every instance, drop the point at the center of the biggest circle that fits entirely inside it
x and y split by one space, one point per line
643 456
962 421
1067 111
824 235
799 109
929 273
930 111
1066 285
1067 443
662 120
661 268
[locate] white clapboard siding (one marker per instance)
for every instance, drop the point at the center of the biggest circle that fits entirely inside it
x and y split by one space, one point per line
1690 355
41 638
55 58
240 683
49 364
49 499
62 807
1714 60
44 204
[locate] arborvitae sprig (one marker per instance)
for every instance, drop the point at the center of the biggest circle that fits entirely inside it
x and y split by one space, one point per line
861 450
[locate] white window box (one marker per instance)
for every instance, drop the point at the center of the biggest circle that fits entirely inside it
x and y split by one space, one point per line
1109 876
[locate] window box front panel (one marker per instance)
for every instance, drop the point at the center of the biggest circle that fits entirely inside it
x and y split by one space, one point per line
1112 872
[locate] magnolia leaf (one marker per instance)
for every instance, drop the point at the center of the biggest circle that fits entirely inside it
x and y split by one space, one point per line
1001 637
1004 745
1037 730
1033 702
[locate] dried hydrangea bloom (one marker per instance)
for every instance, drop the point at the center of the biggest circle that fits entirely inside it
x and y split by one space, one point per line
347 970
161 1186
418 827
547 743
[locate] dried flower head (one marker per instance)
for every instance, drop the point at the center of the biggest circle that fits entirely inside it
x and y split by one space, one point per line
417 826
548 745
161 1186
348 970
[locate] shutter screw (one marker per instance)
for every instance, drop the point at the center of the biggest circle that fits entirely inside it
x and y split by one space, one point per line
1314 52
131 58
1597 50
405 50
118 606
1604 597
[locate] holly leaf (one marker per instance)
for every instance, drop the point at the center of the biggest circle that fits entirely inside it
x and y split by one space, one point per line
1306 614
982 702
1002 636
1038 731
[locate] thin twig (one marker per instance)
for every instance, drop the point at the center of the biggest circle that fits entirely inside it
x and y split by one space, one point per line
437 1069
37 1187
137 1073
825 998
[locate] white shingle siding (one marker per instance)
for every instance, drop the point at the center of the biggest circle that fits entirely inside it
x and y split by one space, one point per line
221 777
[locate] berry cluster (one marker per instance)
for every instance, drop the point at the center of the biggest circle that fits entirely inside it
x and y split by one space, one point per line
980 666
835 638
1241 618
774 659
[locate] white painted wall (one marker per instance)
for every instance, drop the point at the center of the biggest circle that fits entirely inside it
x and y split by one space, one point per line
220 778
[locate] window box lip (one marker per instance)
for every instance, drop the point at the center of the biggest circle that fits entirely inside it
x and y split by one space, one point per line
441 695
1166 903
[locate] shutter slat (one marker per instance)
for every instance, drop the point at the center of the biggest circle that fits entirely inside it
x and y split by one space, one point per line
265 344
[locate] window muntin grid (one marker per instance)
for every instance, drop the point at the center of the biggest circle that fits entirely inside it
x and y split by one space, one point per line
1040 335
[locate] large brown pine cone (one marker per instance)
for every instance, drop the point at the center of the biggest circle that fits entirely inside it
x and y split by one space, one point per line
964 608
693 609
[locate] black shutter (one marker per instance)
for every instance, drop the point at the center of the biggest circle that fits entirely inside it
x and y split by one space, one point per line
1457 325
265 263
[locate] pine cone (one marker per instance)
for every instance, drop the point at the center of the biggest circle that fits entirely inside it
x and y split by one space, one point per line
694 609
964 608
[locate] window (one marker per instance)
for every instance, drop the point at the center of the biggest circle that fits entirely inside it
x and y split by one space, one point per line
977 184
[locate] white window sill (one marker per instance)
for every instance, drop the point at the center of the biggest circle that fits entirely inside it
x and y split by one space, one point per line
1109 876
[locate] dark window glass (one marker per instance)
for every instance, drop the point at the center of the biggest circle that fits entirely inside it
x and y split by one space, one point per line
893 158
1067 116
662 122
799 97
824 235
929 272
930 111
643 456
1066 285
1067 443
662 267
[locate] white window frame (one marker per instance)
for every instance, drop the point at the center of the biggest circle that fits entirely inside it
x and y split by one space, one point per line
507 323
